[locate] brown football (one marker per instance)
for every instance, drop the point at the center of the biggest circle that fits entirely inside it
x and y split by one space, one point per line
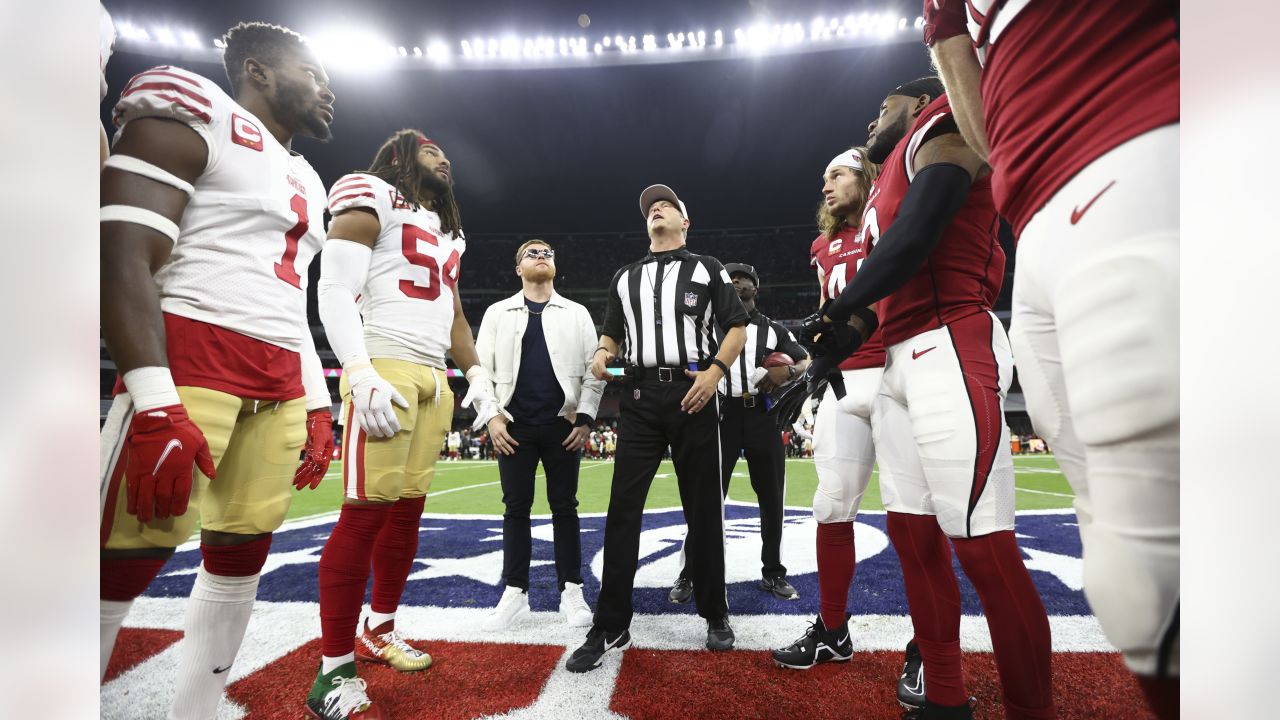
777 359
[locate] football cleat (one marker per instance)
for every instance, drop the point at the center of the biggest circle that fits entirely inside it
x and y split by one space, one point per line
681 591
599 643
911 682
780 588
719 635
929 711
384 645
341 695
817 645
513 606
574 607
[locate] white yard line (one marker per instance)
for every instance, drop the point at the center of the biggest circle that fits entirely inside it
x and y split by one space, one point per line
1046 492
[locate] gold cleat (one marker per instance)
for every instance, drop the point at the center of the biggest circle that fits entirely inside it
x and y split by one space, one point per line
384 645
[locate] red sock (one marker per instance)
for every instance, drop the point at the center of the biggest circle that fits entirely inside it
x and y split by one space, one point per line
123 579
934 599
393 554
836 560
344 570
1017 620
236 560
1163 695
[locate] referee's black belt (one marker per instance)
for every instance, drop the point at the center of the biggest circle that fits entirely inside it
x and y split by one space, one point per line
746 401
658 374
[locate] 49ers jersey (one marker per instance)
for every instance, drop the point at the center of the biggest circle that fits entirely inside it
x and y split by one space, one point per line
964 272
252 226
837 261
407 302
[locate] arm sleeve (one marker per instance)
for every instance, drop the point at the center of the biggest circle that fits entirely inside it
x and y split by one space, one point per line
313 381
932 200
787 343
344 268
614 320
171 93
726 307
592 389
943 19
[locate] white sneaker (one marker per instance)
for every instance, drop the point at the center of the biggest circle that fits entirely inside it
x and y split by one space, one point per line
513 606
574 608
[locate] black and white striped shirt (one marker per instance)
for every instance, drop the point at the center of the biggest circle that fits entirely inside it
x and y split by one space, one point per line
764 336
663 309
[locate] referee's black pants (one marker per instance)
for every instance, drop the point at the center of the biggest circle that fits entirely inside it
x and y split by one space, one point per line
749 430
651 419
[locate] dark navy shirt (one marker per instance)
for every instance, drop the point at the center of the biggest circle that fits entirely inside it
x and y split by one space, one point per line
537 399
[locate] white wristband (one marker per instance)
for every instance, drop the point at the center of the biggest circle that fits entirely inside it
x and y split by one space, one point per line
151 388
475 372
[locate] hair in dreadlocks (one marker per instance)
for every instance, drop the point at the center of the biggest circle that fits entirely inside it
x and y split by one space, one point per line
396 162
261 41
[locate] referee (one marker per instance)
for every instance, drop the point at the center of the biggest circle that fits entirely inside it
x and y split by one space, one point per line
662 313
746 428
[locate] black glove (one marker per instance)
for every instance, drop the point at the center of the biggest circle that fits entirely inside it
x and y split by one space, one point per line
822 371
809 330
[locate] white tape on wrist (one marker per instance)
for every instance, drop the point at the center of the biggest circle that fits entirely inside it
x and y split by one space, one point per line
139 216
137 166
151 388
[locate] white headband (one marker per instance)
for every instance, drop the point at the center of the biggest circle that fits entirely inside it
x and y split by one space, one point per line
848 158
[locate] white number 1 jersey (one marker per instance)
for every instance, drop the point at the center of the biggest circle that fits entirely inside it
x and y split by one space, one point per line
253 225
407 302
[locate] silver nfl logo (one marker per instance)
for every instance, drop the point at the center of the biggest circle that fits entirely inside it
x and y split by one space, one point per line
690 299
636 394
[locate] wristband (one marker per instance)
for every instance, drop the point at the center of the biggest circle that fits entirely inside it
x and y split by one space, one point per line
720 364
599 349
150 388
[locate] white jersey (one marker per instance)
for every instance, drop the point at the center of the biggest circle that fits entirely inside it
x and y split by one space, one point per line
252 227
407 302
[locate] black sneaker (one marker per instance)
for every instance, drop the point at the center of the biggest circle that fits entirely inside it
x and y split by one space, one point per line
911 682
817 645
681 591
780 588
929 711
719 634
592 652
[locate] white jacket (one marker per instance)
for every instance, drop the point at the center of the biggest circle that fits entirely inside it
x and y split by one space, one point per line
571 341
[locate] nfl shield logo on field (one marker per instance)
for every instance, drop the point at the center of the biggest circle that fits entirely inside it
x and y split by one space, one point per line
690 299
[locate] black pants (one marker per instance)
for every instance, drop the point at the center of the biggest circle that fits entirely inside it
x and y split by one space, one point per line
752 432
652 420
540 442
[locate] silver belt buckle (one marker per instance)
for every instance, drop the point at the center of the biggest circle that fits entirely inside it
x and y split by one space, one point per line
664 374
749 401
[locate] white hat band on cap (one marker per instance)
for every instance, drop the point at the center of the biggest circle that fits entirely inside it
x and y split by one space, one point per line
848 158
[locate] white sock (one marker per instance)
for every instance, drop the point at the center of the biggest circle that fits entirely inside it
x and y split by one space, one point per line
217 615
111 614
329 664
376 619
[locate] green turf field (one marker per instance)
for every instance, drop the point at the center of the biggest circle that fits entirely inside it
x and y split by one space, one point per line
472 487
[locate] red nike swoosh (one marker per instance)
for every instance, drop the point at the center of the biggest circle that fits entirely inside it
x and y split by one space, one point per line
1077 213
917 353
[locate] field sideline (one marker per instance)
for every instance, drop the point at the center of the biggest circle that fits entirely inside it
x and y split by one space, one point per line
470 487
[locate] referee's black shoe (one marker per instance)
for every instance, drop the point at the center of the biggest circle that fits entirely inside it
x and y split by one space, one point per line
598 644
817 645
719 634
779 587
911 682
681 591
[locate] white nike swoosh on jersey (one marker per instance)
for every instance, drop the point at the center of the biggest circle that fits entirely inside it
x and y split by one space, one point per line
174 444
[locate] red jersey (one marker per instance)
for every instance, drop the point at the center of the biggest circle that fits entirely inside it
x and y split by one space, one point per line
837 261
1063 84
965 270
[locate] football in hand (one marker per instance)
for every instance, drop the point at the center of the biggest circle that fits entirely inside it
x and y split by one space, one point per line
778 359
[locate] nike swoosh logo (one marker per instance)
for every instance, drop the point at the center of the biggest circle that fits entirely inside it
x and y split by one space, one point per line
220 670
611 645
919 686
174 444
1077 213
917 353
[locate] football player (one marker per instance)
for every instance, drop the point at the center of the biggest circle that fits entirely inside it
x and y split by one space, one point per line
1090 182
389 301
209 220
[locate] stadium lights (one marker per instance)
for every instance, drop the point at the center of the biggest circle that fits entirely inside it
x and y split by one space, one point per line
355 49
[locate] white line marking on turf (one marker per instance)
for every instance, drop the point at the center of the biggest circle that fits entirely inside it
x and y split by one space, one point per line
1046 492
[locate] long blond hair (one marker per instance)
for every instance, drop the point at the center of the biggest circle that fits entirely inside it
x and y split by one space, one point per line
829 224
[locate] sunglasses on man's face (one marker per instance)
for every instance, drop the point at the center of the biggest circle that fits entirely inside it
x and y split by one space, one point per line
539 253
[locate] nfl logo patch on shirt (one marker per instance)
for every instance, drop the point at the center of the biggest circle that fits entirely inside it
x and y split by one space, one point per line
690 299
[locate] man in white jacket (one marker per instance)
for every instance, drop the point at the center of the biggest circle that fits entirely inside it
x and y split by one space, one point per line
537 347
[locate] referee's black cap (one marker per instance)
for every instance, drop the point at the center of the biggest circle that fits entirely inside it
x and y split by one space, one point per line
744 269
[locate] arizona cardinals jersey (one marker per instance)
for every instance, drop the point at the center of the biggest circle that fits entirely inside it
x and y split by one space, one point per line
962 275
837 261
407 302
252 226
1062 84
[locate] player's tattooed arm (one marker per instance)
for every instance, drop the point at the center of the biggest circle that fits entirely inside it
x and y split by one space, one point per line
132 251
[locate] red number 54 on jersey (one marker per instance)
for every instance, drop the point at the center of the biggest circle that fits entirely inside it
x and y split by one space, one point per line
410 237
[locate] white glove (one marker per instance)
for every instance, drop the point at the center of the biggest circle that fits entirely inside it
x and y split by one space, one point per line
799 427
372 396
484 413
478 389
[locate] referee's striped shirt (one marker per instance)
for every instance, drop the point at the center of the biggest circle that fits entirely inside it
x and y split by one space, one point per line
664 308
764 336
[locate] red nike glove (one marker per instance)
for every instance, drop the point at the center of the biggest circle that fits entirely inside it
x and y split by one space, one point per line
161 451
319 450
